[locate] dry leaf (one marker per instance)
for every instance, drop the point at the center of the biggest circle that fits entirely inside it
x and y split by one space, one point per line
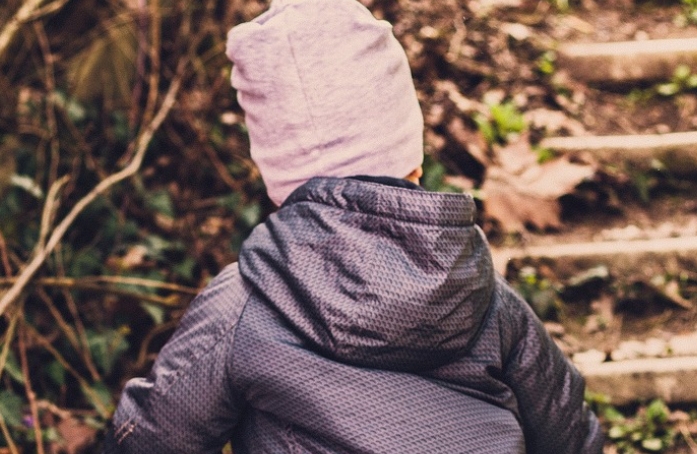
513 210
516 157
76 436
519 192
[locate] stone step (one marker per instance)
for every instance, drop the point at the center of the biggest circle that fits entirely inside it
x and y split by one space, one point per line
625 257
627 61
627 381
674 380
677 152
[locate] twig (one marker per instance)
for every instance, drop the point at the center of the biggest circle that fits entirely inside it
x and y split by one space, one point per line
688 438
50 83
8 437
4 257
29 11
141 282
143 352
92 280
11 28
79 284
81 348
211 153
31 396
50 207
98 404
48 9
9 334
79 326
54 409
141 147
142 25
154 82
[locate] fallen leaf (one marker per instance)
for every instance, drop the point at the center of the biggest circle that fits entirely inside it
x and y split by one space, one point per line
519 192
76 436
516 157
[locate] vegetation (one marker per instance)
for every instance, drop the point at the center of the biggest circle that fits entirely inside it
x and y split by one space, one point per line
126 183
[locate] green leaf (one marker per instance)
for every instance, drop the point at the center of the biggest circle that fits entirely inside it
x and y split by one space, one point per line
185 268
616 432
106 347
75 111
682 72
26 183
12 368
161 202
157 246
86 262
657 412
652 444
668 89
11 408
613 415
691 81
250 215
230 202
56 372
100 398
486 128
157 313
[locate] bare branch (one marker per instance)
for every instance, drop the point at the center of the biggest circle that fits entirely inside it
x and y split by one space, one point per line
8 437
31 395
93 284
49 210
27 12
141 147
84 384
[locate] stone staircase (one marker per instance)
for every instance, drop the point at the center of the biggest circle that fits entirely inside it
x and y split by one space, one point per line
670 372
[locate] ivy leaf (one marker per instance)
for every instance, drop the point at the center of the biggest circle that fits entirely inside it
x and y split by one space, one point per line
106 347
652 444
12 368
100 398
11 408
160 202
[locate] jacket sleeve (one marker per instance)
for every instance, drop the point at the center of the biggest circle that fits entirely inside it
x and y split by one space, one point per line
548 388
186 404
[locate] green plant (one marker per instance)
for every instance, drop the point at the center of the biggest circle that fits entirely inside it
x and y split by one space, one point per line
434 175
683 78
539 292
546 63
501 122
648 431
689 15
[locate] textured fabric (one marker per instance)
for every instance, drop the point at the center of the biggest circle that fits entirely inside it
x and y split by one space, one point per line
327 91
365 318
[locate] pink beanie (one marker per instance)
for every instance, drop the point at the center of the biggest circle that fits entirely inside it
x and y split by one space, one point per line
327 91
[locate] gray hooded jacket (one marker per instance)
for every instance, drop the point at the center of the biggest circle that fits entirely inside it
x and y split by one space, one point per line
361 318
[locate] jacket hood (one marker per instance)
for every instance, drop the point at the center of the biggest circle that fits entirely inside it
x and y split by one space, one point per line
374 275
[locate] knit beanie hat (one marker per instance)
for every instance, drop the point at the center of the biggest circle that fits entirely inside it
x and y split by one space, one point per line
327 91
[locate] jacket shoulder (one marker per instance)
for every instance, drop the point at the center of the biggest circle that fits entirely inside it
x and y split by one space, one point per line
210 319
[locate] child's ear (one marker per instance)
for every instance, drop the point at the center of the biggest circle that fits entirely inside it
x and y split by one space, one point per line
415 175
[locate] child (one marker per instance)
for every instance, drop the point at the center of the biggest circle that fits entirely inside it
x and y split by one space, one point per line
364 316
